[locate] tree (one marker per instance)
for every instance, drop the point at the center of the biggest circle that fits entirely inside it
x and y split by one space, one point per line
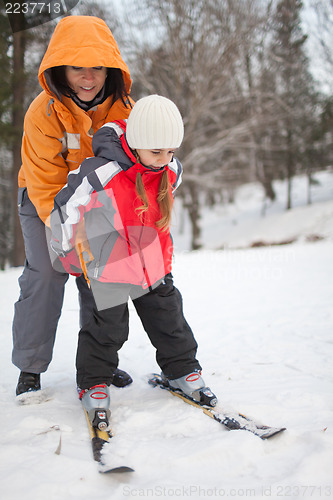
11 120
15 39
23 40
295 87
5 135
320 27
195 54
18 90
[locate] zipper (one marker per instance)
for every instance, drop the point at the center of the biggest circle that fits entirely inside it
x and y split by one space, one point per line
146 280
96 269
141 254
97 264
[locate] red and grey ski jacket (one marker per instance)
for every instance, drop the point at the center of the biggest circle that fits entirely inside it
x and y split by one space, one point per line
124 247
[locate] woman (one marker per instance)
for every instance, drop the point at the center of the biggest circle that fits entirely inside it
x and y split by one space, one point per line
85 84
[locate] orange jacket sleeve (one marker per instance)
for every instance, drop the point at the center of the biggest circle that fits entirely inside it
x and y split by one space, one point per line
44 167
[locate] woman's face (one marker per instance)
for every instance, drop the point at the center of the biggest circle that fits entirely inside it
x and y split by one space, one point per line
85 82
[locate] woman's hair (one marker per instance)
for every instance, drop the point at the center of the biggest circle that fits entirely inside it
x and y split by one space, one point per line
114 84
164 200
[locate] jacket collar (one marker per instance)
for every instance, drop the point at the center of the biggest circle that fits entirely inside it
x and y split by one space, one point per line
69 113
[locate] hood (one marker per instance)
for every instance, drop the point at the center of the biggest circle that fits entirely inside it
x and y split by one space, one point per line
82 41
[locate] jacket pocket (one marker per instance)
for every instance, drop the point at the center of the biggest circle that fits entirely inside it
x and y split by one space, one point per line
101 247
20 196
24 204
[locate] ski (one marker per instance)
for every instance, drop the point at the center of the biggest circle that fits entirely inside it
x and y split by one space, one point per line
98 440
230 419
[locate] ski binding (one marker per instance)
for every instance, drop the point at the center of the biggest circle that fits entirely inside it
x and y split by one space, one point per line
230 419
100 438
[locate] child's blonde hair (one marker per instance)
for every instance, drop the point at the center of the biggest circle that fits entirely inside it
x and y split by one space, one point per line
164 200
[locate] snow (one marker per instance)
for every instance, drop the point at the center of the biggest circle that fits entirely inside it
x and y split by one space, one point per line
263 319
241 224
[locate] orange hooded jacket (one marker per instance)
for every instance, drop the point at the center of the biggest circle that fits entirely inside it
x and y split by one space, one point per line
58 133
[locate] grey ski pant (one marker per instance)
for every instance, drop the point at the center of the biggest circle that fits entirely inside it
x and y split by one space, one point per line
38 309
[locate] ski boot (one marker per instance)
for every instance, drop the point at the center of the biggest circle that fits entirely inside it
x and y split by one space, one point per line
193 387
96 402
121 378
28 382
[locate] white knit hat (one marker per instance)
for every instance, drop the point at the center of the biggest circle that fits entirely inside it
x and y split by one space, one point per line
154 123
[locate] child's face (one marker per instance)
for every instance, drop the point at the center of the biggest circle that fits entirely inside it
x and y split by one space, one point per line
155 158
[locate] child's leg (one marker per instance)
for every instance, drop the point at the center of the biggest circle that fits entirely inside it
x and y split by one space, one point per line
98 345
161 313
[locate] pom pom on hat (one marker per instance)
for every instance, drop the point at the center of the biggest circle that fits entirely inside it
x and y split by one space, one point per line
154 123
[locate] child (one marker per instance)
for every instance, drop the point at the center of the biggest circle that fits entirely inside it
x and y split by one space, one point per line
116 209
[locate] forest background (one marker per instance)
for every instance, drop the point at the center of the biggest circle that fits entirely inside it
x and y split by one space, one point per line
252 79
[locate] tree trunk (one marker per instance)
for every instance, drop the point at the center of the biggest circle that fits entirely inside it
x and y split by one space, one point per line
194 213
289 183
267 183
290 167
309 198
19 39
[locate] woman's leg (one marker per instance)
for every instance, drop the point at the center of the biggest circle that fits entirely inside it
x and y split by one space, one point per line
38 308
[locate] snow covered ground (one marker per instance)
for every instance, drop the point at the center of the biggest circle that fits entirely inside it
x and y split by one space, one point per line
263 318
241 224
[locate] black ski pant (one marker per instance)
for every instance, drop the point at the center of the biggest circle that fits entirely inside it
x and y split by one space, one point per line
161 313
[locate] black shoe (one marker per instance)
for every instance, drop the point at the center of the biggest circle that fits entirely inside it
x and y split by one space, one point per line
121 378
28 382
